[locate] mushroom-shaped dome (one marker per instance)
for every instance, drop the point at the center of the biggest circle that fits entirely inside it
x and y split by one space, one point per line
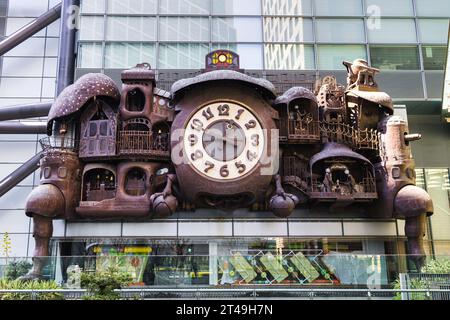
381 98
412 201
337 150
74 97
295 93
46 200
217 75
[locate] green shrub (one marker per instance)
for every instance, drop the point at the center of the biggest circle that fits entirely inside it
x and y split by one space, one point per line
17 269
101 285
29 285
437 266
415 284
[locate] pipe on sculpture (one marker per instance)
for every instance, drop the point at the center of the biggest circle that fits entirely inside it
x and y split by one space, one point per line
21 173
30 29
24 111
22 128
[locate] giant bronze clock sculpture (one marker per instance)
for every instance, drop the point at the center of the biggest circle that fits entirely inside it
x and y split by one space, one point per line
221 138
224 140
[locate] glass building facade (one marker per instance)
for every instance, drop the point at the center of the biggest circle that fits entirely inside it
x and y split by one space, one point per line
276 39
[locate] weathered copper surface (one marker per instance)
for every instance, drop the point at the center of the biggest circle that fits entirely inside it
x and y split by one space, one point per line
75 96
338 146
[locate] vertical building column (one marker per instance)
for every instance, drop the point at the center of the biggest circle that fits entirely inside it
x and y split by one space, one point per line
67 44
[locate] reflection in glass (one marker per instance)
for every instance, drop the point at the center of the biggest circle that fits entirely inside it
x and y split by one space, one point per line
237 7
391 8
182 55
433 30
330 57
438 187
434 57
93 6
184 6
395 57
91 28
184 29
131 28
90 55
236 29
343 8
287 7
278 29
394 31
127 55
132 6
340 30
289 57
433 8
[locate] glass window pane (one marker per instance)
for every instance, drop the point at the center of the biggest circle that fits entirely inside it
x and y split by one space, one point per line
395 58
434 57
340 30
184 29
433 8
184 6
93 6
26 8
438 186
237 7
289 57
132 6
91 28
250 55
331 56
389 7
433 30
341 8
237 29
293 7
182 55
394 31
90 55
278 29
127 55
131 28
31 47
25 67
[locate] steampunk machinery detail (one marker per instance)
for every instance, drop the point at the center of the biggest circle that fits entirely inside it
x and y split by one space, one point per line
224 140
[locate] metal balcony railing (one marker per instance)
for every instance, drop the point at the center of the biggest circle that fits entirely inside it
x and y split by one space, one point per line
143 143
61 143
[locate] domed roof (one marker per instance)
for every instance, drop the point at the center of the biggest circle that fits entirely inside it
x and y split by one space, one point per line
295 93
75 96
217 75
333 150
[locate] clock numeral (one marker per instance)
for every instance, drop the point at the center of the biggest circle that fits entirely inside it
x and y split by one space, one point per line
207 114
251 155
241 167
196 155
251 124
255 140
239 113
209 166
224 110
193 140
224 171
197 125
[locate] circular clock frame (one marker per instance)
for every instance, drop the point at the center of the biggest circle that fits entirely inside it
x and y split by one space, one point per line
201 158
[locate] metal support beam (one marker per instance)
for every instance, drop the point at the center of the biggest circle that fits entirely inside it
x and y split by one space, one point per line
67 44
30 29
21 173
22 128
24 111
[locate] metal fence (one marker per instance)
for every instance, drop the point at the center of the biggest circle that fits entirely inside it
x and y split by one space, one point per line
241 293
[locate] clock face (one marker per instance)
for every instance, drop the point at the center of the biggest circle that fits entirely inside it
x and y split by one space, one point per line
224 140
